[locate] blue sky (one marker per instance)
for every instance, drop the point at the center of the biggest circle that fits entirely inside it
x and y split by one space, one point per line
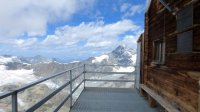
69 29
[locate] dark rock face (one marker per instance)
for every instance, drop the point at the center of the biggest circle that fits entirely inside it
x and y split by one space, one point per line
16 66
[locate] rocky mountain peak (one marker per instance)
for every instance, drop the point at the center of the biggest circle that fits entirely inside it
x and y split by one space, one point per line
124 55
120 49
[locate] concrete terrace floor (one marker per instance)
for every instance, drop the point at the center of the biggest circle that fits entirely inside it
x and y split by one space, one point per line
111 100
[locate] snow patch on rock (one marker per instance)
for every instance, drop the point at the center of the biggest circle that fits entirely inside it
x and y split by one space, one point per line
100 58
123 69
51 84
75 62
21 76
4 60
2 67
133 58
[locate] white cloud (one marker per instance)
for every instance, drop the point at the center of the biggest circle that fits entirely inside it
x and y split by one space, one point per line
26 43
124 7
98 44
52 40
95 34
129 10
22 22
114 8
90 35
83 40
131 40
19 17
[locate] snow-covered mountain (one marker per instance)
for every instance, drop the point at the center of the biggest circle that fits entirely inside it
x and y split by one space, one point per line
124 55
120 56
22 70
36 59
5 59
17 71
16 63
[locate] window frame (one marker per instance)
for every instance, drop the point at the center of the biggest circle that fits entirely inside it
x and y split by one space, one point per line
161 52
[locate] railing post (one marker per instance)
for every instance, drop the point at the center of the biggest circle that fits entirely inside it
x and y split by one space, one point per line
14 102
70 88
134 78
199 98
84 75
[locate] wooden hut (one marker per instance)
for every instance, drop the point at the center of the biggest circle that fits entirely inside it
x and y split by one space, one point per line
170 69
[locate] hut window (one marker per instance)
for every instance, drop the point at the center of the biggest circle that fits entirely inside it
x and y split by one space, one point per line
185 18
185 38
184 42
158 51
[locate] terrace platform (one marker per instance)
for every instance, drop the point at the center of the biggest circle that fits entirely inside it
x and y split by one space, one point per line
96 99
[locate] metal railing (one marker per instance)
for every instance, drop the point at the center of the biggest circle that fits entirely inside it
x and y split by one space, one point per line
14 93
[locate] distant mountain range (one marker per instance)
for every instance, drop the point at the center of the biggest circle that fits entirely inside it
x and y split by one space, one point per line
42 66
17 71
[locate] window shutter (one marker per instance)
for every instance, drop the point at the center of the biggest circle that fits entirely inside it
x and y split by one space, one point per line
184 42
185 18
184 21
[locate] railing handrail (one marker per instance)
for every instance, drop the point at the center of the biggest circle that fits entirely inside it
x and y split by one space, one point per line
35 83
110 65
105 80
49 96
109 72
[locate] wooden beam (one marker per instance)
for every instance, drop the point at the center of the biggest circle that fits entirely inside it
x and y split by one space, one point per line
199 98
164 103
151 101
189 28
142 92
